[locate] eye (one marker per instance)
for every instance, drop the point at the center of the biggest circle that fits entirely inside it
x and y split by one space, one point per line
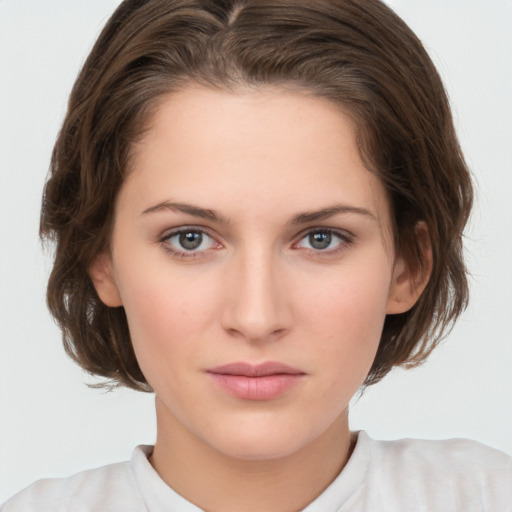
326 240
188 241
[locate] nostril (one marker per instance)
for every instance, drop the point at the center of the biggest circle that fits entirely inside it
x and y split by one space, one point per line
256 308
257 335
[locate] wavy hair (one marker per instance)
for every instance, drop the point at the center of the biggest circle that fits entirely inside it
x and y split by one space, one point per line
356 53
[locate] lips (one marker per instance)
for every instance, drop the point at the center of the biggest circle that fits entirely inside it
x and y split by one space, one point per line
260 370
265 381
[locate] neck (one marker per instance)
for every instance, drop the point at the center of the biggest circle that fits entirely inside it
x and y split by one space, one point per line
216 482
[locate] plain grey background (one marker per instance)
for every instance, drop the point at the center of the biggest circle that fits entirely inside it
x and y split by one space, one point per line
52 424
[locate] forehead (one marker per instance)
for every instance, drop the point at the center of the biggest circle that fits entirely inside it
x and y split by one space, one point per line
251 150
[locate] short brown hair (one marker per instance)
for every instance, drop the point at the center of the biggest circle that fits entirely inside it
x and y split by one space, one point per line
357 53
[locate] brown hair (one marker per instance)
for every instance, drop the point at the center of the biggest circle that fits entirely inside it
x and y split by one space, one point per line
356 53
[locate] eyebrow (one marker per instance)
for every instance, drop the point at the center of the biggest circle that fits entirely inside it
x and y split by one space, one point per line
302 218
196 211
325 213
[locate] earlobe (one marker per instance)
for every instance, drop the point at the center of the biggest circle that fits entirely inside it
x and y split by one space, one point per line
408 284
103 280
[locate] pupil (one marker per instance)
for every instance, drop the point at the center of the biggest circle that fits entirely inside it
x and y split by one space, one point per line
190 240
320 240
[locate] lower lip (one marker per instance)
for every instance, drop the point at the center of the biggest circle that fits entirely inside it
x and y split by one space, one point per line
266 387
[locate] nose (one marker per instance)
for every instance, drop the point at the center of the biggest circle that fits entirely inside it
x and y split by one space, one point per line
257 306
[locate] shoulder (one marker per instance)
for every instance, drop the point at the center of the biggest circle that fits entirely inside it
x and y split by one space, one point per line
454 456
109 487
465 473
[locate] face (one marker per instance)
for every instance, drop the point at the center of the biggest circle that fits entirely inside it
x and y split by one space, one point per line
252 253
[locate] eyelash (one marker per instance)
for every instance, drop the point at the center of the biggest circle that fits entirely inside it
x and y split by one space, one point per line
184 254
345 240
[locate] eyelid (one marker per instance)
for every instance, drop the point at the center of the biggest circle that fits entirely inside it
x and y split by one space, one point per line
346 239
342 233
170 232
163 240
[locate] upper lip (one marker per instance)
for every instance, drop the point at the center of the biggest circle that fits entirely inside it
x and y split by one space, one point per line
255 370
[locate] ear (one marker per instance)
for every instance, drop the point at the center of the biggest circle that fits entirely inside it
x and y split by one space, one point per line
102 277
407 285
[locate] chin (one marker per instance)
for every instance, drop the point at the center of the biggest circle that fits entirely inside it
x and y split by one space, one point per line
256 441
261 449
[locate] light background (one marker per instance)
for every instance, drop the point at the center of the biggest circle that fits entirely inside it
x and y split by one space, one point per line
51 424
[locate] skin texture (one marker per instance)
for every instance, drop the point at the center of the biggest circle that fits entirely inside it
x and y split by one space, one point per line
257 289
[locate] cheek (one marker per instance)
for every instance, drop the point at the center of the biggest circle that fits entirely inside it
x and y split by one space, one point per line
354 297
346 316
166 313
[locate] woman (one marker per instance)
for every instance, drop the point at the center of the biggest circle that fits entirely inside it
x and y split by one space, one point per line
258 208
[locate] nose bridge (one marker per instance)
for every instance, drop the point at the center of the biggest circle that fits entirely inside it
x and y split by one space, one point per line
257 307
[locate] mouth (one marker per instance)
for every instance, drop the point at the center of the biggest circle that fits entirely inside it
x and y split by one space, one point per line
265 381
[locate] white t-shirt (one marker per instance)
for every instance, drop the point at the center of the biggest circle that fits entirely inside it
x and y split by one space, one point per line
381 476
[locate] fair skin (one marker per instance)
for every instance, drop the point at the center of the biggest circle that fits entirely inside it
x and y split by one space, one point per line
249 231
